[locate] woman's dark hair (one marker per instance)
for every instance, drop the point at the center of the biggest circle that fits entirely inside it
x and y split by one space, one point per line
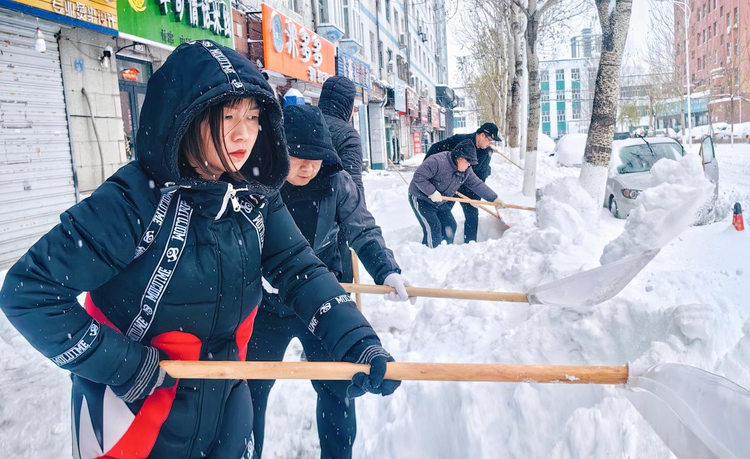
192 157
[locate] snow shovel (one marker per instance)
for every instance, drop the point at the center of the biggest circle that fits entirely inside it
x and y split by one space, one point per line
699 415
495 214
586 288
487 203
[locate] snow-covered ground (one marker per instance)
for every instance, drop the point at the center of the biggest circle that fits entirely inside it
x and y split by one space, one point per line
687 306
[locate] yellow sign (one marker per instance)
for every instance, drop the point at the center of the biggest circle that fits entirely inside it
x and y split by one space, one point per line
138 5
101 13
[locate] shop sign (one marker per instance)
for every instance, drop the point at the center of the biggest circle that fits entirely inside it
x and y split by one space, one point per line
130 74
173 22
90 14
412 102
295 51
442 118
435 115
354 69
378 91
423 115
417 139
399 96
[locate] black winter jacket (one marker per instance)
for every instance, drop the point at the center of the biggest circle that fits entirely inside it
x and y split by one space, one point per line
337 103
176 262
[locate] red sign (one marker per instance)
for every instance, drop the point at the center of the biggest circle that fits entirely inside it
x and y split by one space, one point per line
417 138
294 50
130 74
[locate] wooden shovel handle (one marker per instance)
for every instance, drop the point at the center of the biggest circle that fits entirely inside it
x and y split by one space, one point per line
513 297
400 371
461 195
487 203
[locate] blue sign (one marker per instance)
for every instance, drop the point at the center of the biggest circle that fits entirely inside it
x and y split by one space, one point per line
354 69
78 66
399 96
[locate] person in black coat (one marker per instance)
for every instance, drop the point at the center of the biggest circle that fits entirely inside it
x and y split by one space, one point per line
323 201
482 140
172 250
337 104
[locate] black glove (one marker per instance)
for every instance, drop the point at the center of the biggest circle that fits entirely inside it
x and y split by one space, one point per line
370 352
148 378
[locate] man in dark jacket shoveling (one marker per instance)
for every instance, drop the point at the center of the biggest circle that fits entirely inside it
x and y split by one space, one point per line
441 175
337 104
482 138
323 201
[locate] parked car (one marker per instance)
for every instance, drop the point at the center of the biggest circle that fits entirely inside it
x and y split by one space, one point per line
622 135
569 150
633 174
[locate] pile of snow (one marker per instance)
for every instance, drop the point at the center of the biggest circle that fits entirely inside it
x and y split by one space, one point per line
414 161
570 148
546 144
567 209
679 189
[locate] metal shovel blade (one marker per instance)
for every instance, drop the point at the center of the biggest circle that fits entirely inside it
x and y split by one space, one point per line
699 415
594 286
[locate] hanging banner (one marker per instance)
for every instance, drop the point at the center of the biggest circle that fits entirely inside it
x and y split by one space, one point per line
399 96
423 115
417 139
435 115
412 102
354 69
295 51
177 21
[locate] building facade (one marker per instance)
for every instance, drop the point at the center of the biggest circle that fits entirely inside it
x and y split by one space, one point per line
718 37
465 115
567 95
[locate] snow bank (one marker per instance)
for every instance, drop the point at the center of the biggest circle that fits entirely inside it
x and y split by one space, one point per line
565 207
546 144
570 148
679 189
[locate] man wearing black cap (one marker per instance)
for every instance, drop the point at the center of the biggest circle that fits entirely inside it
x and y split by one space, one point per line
482 139
443 174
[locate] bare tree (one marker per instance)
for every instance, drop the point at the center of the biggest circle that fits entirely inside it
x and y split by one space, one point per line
542 16
614 18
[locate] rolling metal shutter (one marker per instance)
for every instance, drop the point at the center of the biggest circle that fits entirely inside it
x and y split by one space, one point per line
36 170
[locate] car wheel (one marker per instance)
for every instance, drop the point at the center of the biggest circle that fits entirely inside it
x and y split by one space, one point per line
613 207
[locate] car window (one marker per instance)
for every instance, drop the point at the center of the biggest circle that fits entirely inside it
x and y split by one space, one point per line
641 158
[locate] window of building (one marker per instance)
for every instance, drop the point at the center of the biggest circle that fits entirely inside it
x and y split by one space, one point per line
576 113
721 41
715 29
716 57
373 49
729 49
736 16
390 64
575 74
380 54
461 102
388 10
729 19
721 11
293 5
459 122
545 75
323 12
560 74
561 96
561 116
736 45
545 96
398 24
698 41
576 94
545 117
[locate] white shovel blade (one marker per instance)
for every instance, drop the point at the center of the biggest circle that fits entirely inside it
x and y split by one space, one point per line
699 415
594 286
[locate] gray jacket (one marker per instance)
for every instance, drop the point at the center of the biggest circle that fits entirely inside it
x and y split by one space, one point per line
439 172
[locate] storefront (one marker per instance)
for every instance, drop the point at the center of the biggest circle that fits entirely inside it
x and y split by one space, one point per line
37 173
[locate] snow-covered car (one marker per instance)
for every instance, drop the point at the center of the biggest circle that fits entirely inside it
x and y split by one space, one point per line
632 161
569 150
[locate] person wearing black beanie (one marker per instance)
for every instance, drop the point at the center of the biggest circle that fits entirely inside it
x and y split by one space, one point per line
323 201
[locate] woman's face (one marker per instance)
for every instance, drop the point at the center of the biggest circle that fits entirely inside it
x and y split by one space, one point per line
240 126
301 171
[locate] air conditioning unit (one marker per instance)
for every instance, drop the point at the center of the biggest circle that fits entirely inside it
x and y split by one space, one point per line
423 36
402 43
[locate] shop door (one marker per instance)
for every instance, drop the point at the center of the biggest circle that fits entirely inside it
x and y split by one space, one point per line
133 77
36 167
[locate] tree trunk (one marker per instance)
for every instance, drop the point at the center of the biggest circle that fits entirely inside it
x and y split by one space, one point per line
535 108
615 23
515 89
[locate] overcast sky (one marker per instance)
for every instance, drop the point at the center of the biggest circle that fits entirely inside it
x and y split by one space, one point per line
637 36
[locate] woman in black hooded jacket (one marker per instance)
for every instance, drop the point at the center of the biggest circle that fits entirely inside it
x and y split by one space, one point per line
171 250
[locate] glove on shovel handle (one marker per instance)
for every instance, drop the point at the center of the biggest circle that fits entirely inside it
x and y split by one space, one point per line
400 371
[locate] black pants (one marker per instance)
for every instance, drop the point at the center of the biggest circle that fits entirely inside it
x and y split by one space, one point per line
471 214
437 222
337 423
